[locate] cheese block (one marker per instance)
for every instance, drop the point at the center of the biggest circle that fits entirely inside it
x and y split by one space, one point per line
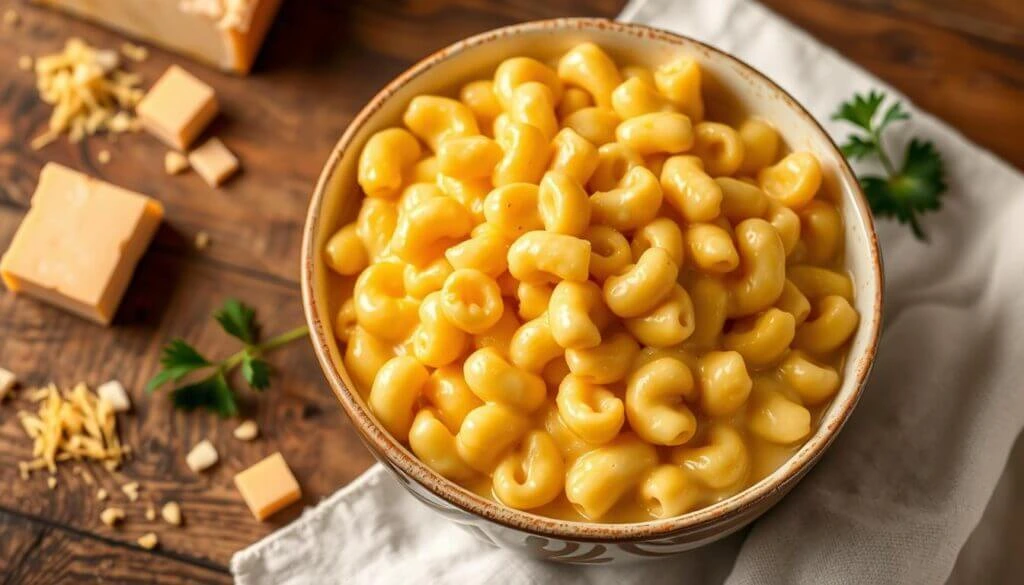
78 246
223 33
177 108
268 486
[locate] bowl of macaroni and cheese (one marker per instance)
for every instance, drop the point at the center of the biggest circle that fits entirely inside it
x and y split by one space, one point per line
591 290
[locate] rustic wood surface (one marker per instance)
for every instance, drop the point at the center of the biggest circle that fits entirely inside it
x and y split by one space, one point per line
322 61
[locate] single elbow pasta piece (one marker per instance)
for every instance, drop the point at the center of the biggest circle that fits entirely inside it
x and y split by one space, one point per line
591 411
741 200
417 193
526 155
763 339
710 299
345 320
468 157
513 209
449 395
573 155
493 379
763 268
724 381
531 476
480 98
433 226
724 462
667 132
719 147
533 299
655 405
421 281
638 72
375 225
512 73
816 283
345 252
468 192
486 251
487 433
540 256
533 104
598 479
690 190
563 204
577 314
570 445
614 162
434 444
365 354
711 249
471 300
642 286
793 181
668 491
787 224
436 342
586 65
668 324
633 204
680 82
834 325
425 170
794 302
777 419
661 233
382 306
574 100
610 253
595 124
813 382
821 228
394 394
636 97
760 145
605 363
533 346
434 119
386 160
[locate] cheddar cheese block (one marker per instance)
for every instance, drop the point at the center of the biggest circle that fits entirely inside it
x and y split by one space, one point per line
78 246
223 33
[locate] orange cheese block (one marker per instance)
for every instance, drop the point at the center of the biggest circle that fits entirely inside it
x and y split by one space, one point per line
268 486
177 108
78 246
223 33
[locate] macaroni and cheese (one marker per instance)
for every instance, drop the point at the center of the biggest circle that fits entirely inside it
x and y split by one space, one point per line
573 293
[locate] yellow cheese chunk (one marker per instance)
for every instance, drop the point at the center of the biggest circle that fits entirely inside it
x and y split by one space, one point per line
78 246
213 161
268 486
177 108
223 33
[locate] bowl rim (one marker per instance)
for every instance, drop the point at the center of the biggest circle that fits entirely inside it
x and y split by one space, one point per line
386 446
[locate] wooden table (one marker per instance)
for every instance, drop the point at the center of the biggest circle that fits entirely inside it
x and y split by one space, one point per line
322 61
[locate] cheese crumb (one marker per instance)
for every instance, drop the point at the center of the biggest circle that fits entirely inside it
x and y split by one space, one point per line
247 431
113 391
202 457
131 490
51 482
171 513
136 53
202 241
25 63
148 541
150 513
175 162
103 156
7 382
101 494
112 516
11 17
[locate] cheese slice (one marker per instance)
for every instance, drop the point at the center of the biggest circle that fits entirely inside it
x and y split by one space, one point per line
268 486
223 33
78 246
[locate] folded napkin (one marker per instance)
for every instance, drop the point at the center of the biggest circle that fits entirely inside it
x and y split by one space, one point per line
907 481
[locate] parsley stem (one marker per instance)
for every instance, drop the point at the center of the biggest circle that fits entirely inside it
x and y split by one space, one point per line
265 347
890 169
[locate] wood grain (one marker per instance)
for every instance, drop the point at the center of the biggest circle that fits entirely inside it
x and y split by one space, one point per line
322 61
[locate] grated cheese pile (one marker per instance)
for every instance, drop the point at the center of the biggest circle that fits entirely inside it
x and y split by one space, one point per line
88 91
75 425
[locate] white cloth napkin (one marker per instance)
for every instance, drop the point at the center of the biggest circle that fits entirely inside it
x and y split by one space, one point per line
908 479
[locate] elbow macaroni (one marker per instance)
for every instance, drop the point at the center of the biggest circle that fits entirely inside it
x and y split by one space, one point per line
577 289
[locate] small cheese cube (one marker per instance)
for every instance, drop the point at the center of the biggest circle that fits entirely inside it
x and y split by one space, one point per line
177 108
79 243
213 161
114 393
268 486
247 431
7 382
174 162
202 457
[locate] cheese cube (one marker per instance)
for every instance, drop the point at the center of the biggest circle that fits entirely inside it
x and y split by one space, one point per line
223 33
114 393
7 382
177 108
78 246
213 161
202 457
268 486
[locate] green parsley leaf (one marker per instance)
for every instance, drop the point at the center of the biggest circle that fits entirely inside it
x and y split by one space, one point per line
857 147
860 110
213 394
256 372
238 320
893 114
178 359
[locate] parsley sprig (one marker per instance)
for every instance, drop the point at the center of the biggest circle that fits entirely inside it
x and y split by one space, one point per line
913 188
179 360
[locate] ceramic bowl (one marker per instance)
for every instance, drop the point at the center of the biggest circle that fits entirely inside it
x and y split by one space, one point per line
742 91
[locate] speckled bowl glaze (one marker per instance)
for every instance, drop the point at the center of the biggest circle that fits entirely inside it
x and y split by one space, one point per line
728 81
